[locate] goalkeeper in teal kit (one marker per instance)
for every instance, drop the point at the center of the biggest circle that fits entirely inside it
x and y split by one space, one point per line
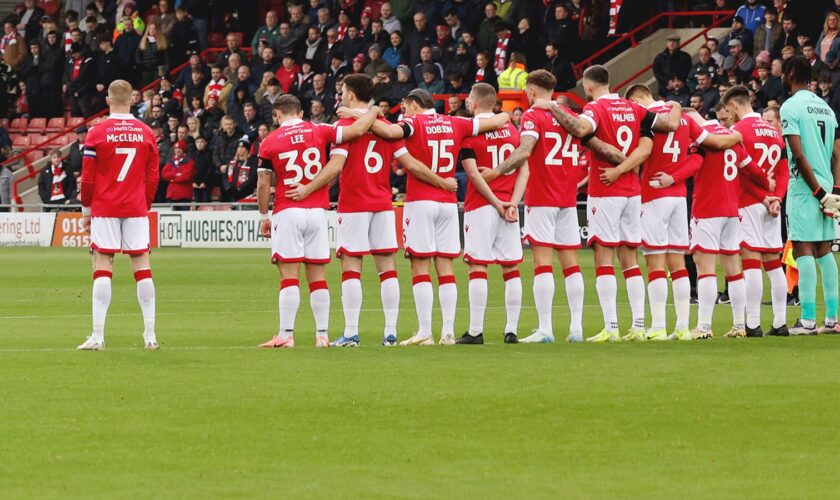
813 200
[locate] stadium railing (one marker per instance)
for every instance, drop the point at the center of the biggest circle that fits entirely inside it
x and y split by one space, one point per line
637 34
31 169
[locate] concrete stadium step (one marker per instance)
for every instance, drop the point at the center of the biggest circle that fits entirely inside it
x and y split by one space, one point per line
632 60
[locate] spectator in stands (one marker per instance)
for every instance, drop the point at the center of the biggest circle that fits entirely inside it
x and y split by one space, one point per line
562 31
677 92
287 73
487 28
286 40
129 15
484 73
268 98
28 17
74 152
266 62
269 33
529 41
250 121
151 54
318 112
353 44
455 84
389 22
768 33
402 86
752 13
767 87
193 125
382 84
203 162
30 74
314 48
704 62
788 38
376 64
469 40
739 33
325 21
183 38
225 142
239 174
125 47
164 19
55 187
739 62
513 78
456 26
94 33
455 104
444 48
818 68
561 68
713 46
696 103
829 43
422 36
213 114
79 81
501 56
432 83
394 55
670 63
516 117
426 59
179 172
707 92
12 45
462 63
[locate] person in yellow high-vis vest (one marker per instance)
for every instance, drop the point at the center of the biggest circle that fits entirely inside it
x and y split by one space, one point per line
513 78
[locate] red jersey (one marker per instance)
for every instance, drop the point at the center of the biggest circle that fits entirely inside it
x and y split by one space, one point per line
766 146
435 140
119 168
296 152
716 185
554 162
490 149
619 123
669 153
366 177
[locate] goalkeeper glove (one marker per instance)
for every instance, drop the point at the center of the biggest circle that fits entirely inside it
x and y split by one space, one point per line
829 203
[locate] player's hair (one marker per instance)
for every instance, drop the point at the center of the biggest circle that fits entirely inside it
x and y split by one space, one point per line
361 85
720 106
288 104
597 74
119 92
638 90
797 69
737 94
542 79
422 97
484 94
517 57
774 110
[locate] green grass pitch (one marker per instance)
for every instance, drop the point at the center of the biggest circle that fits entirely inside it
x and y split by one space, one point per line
209 415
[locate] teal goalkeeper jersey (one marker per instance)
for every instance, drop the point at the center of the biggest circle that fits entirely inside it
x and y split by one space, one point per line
809 117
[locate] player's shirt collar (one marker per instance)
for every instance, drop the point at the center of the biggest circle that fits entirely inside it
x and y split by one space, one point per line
289 123
752 115
611 97
711 122
484 115
656 104
430 111
122 116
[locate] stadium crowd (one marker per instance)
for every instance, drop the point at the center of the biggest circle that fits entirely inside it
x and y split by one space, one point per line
212 114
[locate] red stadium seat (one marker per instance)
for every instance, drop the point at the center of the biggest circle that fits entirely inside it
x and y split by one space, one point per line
18 125
96 121
33 156
36 139
20 142
36 126
56 124
216 40
75 122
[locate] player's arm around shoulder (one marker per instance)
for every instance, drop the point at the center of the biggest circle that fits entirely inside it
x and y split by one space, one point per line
497 121
577 125
664 123
520 155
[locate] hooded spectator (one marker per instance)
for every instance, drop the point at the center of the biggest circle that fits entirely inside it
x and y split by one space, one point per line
179 172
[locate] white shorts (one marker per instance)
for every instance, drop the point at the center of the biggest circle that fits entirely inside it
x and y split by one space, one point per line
115 235
552 227
664 224
718 235
364 233
300 235
759 231
489 239
614 220
430 229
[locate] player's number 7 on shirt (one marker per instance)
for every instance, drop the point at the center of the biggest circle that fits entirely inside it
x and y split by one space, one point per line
129 153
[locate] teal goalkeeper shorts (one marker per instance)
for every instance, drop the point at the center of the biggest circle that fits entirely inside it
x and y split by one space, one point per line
805 220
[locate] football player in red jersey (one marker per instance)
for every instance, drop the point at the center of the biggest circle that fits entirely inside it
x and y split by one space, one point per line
664 219
118 183
614 205
761 225
366 224
715 229
295 153
489 238
430 216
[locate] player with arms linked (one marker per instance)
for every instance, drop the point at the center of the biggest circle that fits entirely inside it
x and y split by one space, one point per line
295 153
118 184
813 139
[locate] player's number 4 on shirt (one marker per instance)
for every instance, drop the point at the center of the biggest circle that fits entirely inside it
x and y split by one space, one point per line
129 153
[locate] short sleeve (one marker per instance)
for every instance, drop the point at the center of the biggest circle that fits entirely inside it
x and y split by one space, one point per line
696 133
465 127
790 122
744 158
264 156
590 115
330 133
468 149
400 149
407 124
529 125
340 150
